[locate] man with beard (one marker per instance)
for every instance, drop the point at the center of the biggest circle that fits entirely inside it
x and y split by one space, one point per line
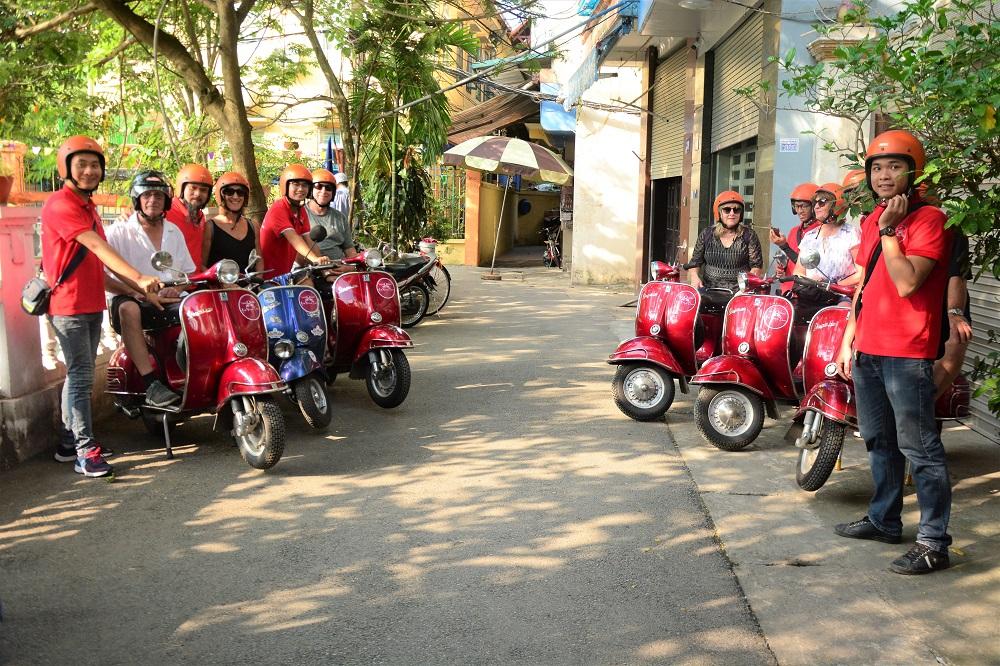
194 188
338 243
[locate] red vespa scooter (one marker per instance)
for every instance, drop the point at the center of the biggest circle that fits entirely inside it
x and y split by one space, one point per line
364 336
762 343
217 359
676 330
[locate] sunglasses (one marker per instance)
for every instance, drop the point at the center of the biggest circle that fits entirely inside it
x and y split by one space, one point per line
802 205
323 186
822 202
731 210
234 192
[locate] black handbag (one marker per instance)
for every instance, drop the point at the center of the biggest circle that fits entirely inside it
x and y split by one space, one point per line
37 293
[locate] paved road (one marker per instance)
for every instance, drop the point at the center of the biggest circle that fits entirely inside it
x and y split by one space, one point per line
506 513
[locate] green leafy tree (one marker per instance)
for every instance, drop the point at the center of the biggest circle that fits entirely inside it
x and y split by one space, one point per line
932 68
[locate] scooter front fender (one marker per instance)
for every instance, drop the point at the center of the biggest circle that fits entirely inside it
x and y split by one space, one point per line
381 337
832 398
303 362
247 376
733 370
649 349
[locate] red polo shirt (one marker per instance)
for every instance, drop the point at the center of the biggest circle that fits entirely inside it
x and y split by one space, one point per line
277 253
193 233
64 217
891 325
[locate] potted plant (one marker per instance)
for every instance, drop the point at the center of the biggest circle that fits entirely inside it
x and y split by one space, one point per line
6 181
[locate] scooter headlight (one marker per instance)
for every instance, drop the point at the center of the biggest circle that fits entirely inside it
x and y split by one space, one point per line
741 280
284 349
373 258
228 271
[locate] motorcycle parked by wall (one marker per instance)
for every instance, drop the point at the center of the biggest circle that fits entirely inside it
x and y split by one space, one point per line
762 342
216 358
677 328
424 282
552 255
297 338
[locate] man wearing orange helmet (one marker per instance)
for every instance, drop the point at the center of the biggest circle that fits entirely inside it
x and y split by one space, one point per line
194 188
281 234
893 335
802 206
725 249
230 234
338 242
75 252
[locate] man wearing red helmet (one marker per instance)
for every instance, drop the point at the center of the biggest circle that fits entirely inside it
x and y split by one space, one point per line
281 234
802 206
194 188
894 333
339 242
75 252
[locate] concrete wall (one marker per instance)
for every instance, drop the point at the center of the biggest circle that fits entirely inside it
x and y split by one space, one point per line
452 251
607 183
529 225
490 199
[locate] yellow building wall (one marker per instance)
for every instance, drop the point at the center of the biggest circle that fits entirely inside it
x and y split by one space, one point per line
490 198
529 225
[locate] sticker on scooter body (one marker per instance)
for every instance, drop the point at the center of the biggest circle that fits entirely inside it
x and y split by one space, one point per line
249 307
775 317
385 287
309 302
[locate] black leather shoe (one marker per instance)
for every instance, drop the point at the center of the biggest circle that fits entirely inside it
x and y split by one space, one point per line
920 559
864 529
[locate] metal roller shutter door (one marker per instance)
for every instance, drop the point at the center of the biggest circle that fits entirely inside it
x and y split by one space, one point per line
984 296
738 64
667 149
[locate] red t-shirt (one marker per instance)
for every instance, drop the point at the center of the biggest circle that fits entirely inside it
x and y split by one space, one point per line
795 237
891 325
64 217
193 234
277 253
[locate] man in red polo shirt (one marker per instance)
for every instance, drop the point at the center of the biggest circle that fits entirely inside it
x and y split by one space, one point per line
76 309
285 225
802 206
892 338
194 188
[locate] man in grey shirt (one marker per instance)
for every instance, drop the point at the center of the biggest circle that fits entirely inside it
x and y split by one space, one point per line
339 242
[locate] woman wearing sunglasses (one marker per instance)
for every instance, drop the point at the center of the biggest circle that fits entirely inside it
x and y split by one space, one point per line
231 235
836 241
727 248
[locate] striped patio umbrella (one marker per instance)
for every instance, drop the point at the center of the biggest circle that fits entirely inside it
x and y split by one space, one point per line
513 157
507 155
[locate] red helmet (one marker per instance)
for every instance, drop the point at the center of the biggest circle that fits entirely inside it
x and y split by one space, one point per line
192 173
837 192
727 197
323 176
803 192
230 179
72 146
293 172
853 178
896 143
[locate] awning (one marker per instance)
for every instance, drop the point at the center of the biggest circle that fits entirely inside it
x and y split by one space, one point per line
490 115
587 73
556 120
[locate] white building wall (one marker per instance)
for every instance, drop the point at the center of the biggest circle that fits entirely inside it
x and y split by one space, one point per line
606 183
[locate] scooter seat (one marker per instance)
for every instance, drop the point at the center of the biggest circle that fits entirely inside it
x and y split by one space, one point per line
405 269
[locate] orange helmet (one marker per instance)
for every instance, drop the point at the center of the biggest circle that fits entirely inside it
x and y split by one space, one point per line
837 192
727 197
230 179
293 172
192 173
72 146
803 192
323 176
896 143
853 178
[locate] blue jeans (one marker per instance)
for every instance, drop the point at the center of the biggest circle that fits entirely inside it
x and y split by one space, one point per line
78 336
895 402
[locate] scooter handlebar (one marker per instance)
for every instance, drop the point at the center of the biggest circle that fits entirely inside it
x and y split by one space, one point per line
828 286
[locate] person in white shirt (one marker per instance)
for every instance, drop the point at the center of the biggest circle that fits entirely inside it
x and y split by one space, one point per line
342 197
137 239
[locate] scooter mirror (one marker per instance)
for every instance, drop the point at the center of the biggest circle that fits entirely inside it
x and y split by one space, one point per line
162 260
809 259
252 259
317 234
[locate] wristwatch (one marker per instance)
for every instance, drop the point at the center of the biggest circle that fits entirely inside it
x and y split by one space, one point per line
957 311
887 231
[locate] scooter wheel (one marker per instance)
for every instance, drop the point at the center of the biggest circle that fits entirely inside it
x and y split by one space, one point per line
642 391
815 465
730 418
413 302
390 384
263 447
313 403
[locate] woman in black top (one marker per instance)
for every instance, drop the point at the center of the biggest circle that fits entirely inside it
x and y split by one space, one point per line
231 235
727 248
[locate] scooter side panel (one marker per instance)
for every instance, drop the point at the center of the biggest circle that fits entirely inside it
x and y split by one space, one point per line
650 349
669 311
834 399
650 308
247 320
954 403
292 313
733 370
247 376
122 377
382 337
826 331
303 362
738 326
358 297
771 343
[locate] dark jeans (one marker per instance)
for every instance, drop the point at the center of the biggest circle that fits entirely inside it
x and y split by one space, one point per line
78 336
895 401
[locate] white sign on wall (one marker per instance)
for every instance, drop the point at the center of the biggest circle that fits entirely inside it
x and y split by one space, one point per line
788 145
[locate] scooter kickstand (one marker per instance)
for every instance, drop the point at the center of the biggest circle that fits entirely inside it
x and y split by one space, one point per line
166 438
